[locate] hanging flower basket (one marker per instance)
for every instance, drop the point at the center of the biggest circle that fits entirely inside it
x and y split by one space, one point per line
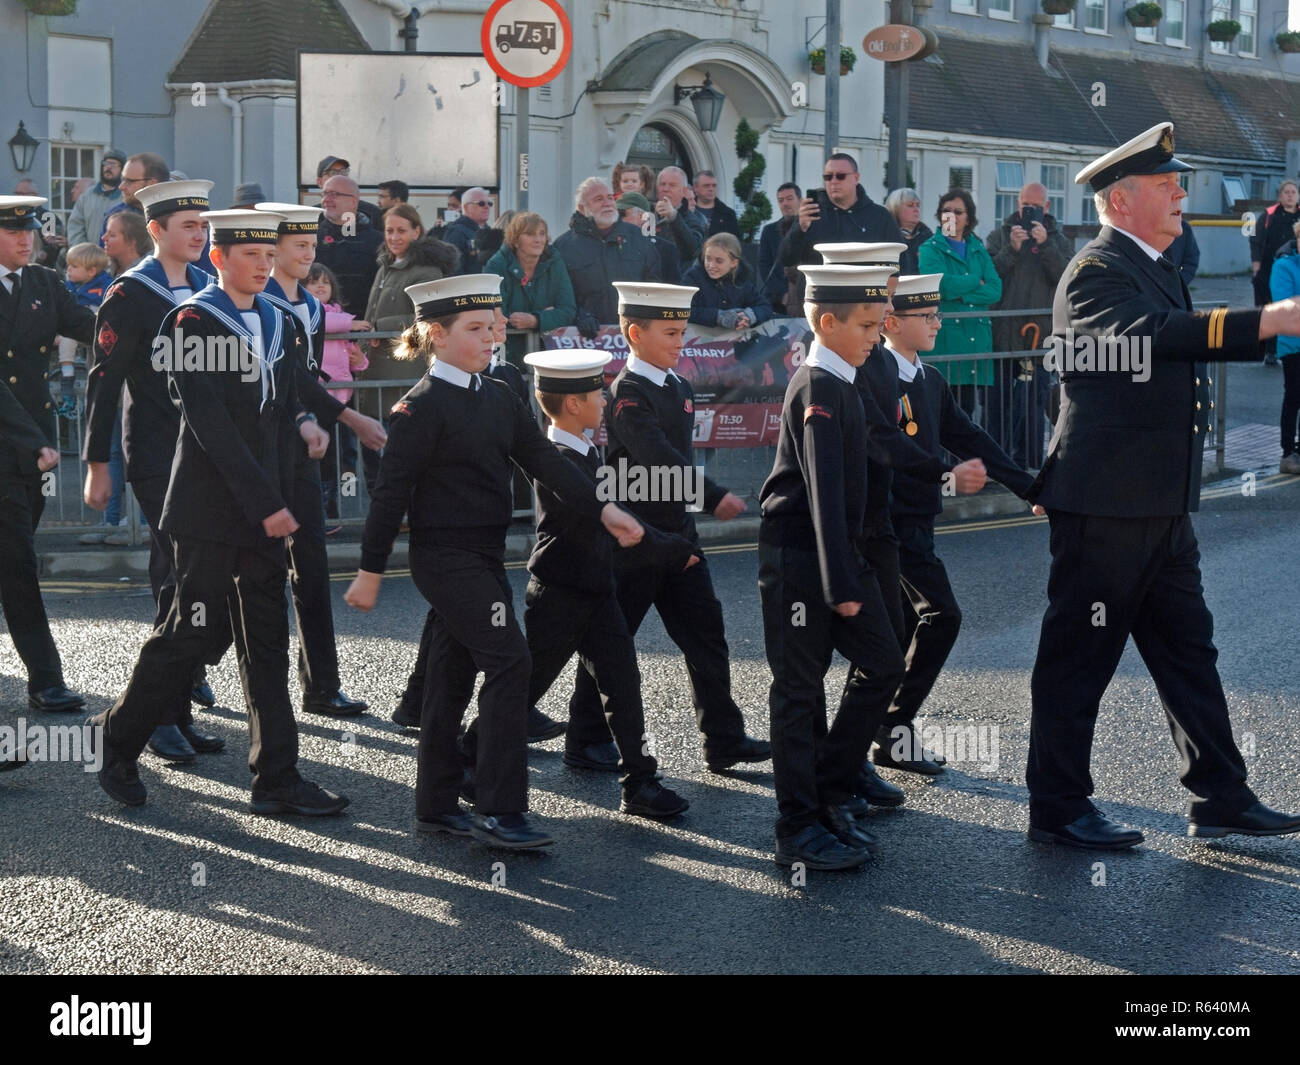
1288 41
1059 7
817 58
51 7
1224 29
1144 15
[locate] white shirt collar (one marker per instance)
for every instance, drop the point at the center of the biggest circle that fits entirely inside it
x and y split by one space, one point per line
1151 252
821 356
453 375
907 371
4 275
580 444
650 372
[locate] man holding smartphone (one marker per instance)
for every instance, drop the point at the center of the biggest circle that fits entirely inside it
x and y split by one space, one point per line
839 213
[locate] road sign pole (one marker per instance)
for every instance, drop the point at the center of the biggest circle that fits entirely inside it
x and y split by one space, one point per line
521 137
832 131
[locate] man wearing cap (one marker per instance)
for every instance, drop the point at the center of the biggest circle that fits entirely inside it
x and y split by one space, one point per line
1123 472
248 195
87 215
231 367
129 318
138 172
35 306
635 209
318 663
333 166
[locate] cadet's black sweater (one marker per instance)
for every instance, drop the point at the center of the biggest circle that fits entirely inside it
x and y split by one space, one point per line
816 495
942 424
574 551
447 464
653 426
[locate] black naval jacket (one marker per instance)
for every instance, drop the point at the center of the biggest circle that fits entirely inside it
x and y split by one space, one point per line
313 395
40 308
128 320
1125 448
815 498
653 426
942 424
235 452
447 465
576 552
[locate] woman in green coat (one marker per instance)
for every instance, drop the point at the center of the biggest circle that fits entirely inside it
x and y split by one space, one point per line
970 282
536 293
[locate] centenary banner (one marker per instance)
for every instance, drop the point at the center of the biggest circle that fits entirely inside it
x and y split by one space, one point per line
739 377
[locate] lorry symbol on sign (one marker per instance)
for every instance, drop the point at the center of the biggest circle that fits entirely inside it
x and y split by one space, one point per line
520 34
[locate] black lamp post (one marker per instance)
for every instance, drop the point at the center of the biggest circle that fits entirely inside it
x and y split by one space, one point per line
22 146
706 100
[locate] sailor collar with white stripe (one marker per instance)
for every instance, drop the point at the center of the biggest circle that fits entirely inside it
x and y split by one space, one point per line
150 273
453 375
649 371
907 370
275 293
580 444
216 302
823 358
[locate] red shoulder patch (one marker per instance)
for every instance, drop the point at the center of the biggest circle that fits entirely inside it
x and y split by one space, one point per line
400 407
189 312
106 339
623 404
813 410
688 407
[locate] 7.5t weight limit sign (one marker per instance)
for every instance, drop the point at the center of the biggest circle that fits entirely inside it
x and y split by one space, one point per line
527 42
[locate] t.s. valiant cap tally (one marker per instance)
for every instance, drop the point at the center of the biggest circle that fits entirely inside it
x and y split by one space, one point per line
1151 152
243 227
450 295
168 197
915 291
885 254
568 372
642 299
19 212
298 218
841 283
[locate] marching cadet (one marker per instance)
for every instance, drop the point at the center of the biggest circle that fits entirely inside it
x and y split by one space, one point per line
231 369
447 463
35 305
818 592
650 430
309 573
129 319
888 449
1123 472
929 415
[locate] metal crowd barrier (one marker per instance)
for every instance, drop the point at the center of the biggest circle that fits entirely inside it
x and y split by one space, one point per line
742 470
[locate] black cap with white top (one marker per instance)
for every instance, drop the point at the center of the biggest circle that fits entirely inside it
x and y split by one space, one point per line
568 372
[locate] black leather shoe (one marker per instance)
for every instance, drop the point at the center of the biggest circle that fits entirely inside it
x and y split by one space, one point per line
202 742
849 831
1092 831
818 848
299 797
456 823
899 747
508 831
602 757
747 750
55 698
651 799
168 743
876 791
1256 820
332 704
202 695
541 727
120 778
407 716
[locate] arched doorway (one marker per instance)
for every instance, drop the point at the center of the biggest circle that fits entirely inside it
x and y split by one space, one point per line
657 146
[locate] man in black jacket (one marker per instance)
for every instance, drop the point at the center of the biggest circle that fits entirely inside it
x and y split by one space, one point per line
1123 471
34 307
840 213
347 243
598 250
718 217
771 274
463 233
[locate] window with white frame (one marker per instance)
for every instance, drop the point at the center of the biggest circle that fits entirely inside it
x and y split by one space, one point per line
964 7
1095 16
1011 178
1258 187
1145 33
1246 12
68 165
1234 189
1219 10
1053 178
1064 22
1001 9
961 174
1175 21
1088 215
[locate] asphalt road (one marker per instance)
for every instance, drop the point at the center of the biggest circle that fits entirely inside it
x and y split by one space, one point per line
192 882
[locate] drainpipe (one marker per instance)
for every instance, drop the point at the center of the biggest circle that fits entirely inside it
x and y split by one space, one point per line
1042 31
237 141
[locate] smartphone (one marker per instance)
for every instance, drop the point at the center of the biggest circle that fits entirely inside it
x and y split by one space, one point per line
1029 214
446 215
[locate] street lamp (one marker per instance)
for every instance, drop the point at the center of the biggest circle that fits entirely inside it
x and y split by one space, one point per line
706 100
22 146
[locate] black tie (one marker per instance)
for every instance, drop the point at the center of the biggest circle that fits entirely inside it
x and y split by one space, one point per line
477 382
1166 264
14 279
